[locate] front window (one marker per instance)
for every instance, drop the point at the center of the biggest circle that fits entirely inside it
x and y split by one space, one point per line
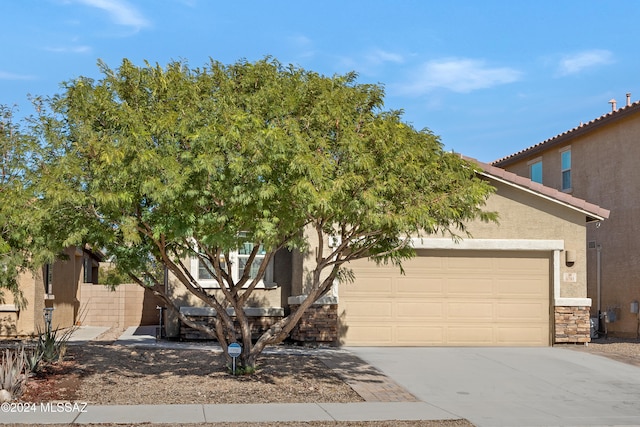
48 279
88 267
535 171
565 157
243 258
238 260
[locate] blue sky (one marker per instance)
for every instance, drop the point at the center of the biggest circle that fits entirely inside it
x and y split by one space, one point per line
489 77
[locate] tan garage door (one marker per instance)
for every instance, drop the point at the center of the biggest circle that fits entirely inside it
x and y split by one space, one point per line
449 298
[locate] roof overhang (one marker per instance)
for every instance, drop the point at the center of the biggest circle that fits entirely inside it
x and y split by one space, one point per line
593 213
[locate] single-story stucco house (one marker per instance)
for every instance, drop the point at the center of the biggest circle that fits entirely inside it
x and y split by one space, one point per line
521 282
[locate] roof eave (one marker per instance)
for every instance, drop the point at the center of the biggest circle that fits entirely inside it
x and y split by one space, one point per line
590 216
569 135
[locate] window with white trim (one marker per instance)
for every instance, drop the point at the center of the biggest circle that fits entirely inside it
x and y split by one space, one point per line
238 260
535 170
565 166
48 279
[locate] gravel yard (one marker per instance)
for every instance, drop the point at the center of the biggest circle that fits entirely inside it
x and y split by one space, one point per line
118 375
623 350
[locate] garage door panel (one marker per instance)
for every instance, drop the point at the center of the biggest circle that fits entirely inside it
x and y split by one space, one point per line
480 311
527 335
407 335
470 335
450 298
370 309
365 334
530 287
419 286
469 287
469 264
412 310
424 262
523 312
370 286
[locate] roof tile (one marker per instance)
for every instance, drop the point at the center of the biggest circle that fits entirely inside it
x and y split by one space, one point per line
539 188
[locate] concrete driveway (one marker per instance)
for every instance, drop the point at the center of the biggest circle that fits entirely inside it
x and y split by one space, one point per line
516 386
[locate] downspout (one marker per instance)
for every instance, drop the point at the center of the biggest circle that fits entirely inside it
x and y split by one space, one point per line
598 280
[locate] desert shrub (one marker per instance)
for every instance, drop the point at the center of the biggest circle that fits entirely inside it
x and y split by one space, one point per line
52 345
13 371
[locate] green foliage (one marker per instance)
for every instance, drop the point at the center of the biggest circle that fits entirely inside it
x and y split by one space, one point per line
158 165
13 371
52 345
33 359
111 276
16 216
242 370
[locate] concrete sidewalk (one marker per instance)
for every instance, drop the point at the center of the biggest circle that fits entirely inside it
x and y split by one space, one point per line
271 412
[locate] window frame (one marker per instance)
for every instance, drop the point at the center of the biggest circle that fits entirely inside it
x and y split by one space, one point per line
565 171
265 283
535 162
48 279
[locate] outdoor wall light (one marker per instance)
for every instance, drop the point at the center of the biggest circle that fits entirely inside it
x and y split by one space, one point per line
570 257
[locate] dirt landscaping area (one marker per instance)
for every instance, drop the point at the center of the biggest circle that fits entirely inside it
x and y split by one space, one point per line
102 374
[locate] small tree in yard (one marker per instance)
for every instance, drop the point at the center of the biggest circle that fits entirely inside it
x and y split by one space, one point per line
160 165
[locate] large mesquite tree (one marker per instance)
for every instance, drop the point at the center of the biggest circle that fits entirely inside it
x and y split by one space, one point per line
158 165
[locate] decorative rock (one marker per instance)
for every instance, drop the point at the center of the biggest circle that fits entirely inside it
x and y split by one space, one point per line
5 396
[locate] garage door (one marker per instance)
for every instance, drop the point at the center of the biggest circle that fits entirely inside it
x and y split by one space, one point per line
449 298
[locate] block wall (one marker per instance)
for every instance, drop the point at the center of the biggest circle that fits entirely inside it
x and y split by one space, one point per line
127 305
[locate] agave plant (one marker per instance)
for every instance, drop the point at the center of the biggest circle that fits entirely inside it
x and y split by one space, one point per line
52 346
13 371
33 357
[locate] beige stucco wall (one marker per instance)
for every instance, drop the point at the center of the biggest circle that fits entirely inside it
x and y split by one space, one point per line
305 263
605 172
26 321
523 216
67 275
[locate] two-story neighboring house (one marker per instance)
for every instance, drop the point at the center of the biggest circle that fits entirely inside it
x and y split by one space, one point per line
599 161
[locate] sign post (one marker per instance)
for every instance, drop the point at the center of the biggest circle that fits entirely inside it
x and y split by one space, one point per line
234 350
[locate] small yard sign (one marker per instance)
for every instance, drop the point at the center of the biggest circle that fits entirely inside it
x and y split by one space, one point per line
234 351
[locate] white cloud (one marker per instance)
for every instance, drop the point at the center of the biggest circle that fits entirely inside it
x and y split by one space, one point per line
460 75
572 64
379 56
120 11
303 46
70 49
301 40
11 76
